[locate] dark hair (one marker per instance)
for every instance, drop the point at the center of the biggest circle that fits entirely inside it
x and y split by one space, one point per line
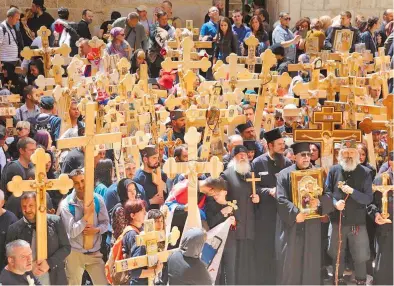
133 207
27 90
115 15
75 172
155 214
236 11
365 149
63 13
261 27
85 11
178 150
37 62
229 32
301 21
247 8
372 21
161 14
42 138
28 195
22 143
121 189
31 173
347 14
102 172
217 184
246 107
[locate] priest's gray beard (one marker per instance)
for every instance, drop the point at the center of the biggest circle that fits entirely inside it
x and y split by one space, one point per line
348 164
242 167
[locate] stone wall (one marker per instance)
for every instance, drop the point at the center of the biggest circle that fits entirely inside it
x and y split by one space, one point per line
196 9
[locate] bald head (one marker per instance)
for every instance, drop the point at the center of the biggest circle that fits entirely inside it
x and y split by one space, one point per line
388 15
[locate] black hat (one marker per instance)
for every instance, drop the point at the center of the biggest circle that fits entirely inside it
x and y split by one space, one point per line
250 145
272 135
39 3
149 151
277 49
300 147
2 132
242 127
239 149
391 156
47 102
176 114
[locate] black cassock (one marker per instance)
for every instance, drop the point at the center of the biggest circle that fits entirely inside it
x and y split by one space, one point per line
383 274
298 244
267 169
240 190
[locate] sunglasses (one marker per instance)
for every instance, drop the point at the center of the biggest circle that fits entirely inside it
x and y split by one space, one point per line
287 18
278 118
19 128
305 154
121 34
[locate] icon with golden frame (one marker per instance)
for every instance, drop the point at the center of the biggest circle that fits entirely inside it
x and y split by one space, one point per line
307 185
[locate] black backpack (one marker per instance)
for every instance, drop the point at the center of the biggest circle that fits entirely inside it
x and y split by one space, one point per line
36 126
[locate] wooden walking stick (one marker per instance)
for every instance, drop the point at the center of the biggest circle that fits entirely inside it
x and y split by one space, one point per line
340 185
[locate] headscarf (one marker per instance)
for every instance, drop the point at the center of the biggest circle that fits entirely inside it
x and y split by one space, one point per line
115 32
192 242
122 189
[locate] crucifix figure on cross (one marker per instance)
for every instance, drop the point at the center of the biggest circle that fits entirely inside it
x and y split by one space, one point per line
384 189
40 185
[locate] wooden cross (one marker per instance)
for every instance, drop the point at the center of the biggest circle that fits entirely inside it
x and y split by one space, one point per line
170 144
41 184
150 238
326 135
193 168
57 71
97 46
253 180
186 64
273 99
187 99
384 189
252 43
382 67
123 67
43 83
331 84
89 141
367 125
197 44
45 52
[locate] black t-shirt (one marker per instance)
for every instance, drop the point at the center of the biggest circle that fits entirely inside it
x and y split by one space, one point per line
104 25
6 219
10 278
74 160
13 169
35 23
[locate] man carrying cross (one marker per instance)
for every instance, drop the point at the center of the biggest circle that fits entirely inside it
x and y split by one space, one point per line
51 270
178 124
73 214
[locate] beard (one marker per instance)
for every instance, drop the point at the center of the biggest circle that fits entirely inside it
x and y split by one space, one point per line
279 160
153 166
241 168
348 164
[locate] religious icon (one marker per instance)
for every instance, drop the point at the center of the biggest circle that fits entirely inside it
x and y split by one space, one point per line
312 45
307 186
343 40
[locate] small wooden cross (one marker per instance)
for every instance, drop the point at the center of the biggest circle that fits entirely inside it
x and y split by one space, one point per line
123 67
97 46
41 184
45 52
187 98
89 141
57 71
193 168
252 43
384 188
253 180
43 83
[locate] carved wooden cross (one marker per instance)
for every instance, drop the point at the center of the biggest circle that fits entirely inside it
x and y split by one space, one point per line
326 135
44 85
40 185
274 100
187 98
186 64
193 168
57 71
45 52
251 59
89 141
97 46
123 67
197 44
382 67
150 238
170 144
253 181
384 188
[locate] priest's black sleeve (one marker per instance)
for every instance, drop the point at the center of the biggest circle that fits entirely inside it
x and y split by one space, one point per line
287 211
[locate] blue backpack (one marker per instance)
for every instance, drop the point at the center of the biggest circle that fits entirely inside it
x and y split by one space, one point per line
96 200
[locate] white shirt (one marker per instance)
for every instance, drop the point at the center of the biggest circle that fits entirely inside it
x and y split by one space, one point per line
8 44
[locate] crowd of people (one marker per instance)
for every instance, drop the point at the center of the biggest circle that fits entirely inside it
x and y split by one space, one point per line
271 241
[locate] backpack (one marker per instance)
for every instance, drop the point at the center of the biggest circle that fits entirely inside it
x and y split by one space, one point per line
18 40
113 277
43 125
96 200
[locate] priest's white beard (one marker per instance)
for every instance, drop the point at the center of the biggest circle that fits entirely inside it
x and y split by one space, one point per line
348 164
242 167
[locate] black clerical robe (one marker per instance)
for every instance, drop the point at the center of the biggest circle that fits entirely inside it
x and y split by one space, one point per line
383 274
240 190
266 169
298 244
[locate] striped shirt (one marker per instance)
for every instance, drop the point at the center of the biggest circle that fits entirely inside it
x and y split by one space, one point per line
8 44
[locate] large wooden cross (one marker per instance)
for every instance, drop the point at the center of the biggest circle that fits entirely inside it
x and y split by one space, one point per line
193 168
384 188
326 135
41 184
89 141
46 51
186 64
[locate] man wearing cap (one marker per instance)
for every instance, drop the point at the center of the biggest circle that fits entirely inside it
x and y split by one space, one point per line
282 62
41 17
384 232
267 166
142 11
298 240
239 189
46 120
247 132
178 124
144 176
351 202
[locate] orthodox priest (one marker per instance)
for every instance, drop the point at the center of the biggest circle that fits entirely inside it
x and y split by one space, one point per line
299 242
240 190
383 274
350 185
266 167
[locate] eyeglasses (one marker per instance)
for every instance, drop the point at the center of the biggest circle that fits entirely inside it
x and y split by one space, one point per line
19 128
121 34
287 18
305 154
